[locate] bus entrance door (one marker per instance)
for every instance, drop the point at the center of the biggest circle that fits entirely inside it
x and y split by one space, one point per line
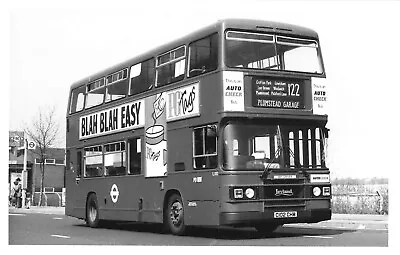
73 179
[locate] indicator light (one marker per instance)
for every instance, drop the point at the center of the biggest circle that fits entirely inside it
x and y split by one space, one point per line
326 191
238 193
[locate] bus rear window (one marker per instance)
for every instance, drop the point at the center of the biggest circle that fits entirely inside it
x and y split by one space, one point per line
77 99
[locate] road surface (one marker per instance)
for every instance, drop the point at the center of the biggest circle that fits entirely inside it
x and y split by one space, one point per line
52 229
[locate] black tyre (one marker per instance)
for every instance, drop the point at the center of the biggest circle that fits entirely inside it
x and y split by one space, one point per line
265 228
92 211
174 215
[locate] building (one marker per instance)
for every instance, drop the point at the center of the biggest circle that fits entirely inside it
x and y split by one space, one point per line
54 178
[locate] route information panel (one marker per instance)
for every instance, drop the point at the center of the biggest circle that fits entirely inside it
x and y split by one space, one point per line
277 93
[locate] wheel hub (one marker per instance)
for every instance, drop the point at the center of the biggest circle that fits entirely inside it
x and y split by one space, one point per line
176 212
92 213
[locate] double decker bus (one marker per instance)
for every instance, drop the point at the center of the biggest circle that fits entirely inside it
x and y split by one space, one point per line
223 127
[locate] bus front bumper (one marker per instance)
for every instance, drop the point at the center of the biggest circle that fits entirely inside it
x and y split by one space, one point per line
252 218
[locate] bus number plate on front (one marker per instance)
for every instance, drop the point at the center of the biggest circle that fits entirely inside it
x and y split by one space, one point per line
292 214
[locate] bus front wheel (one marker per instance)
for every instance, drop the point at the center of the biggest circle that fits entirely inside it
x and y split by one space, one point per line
92 211
174 215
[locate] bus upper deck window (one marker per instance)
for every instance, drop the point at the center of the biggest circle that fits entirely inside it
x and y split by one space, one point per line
141 77
95 93
117 85
171 66
203 55
299 55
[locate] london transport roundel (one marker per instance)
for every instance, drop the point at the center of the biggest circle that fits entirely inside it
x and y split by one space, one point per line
114 193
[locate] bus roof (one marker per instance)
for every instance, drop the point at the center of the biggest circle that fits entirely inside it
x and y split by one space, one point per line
221 25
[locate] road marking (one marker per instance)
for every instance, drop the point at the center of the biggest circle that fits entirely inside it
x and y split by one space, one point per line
16 214
57 218
60 236
322 237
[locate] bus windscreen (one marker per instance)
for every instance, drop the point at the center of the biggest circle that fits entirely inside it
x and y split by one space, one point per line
258 147
264 51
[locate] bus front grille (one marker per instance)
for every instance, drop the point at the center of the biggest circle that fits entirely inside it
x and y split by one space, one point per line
293 204
288 194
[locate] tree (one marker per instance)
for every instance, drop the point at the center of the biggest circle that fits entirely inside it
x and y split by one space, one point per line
44 132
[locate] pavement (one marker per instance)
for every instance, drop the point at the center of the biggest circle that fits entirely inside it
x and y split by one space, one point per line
38 209
352 222
341 221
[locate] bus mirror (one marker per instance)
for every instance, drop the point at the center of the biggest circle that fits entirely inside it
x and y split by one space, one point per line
327 132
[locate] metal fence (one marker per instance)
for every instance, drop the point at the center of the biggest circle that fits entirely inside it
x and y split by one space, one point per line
49 198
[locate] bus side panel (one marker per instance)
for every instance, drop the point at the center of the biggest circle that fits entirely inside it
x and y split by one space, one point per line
73 131
199 188
202 213
199 191
211 99
128 198
117 198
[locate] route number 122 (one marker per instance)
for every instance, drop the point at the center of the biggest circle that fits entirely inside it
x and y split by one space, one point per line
293 89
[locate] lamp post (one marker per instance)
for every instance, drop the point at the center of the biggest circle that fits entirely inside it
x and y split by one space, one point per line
24 171
28 145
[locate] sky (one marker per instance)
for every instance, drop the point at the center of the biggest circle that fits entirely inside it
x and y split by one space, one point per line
52 45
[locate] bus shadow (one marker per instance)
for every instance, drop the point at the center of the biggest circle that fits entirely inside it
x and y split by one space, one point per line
250 233
226 233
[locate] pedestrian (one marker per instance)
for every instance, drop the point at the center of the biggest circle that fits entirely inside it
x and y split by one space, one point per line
11 196
17 193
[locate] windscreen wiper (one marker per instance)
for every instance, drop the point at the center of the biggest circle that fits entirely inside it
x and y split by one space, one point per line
302 170
268 168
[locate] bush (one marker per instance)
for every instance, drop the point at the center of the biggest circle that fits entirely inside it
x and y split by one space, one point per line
360 199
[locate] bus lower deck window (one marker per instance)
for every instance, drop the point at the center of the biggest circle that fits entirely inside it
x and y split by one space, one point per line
205 147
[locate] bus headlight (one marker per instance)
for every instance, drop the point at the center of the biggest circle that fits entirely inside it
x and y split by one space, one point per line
316 191
250 193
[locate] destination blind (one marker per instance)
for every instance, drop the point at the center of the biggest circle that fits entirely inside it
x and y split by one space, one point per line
277 93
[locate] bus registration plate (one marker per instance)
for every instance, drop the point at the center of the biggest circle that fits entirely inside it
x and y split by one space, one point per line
290 214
